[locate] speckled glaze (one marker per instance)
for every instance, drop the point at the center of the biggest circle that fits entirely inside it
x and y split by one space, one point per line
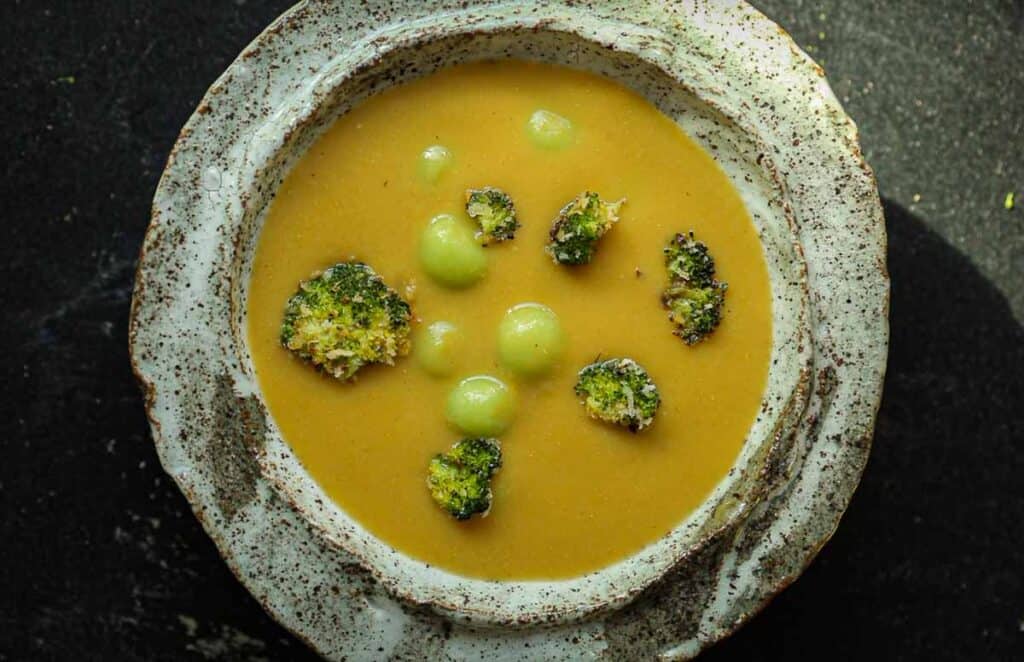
739 86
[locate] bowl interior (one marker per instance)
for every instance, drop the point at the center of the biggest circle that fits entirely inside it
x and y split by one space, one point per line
271 147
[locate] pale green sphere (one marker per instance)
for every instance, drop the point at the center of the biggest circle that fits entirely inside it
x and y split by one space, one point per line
436 348
434 161
530 339
481 406
450 253
550 130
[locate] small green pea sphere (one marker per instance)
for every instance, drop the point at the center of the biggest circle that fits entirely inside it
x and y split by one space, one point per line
530 339
434 161
435 348
481 406
550 130
450 253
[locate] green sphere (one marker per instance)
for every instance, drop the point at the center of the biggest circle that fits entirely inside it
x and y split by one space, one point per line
481 406
530 339
434 161
550 130
450 253
435 348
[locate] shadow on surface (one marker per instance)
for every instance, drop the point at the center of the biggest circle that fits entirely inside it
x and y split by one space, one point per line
933 534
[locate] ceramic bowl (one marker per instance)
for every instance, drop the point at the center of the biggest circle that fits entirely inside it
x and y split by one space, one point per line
740 87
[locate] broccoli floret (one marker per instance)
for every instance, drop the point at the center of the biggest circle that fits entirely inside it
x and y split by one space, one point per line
460 480
459 491
482 456
689 261
579 226
345 318
618 391
494 212
696 311
693 297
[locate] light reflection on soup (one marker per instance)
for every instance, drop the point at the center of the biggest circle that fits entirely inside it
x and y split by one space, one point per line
574 495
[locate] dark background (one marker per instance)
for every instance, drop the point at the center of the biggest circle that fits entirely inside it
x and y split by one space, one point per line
100 557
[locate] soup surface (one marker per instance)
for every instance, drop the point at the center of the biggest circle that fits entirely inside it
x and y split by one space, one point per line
574 494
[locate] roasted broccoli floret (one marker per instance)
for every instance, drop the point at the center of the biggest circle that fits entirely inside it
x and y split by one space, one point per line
689 261
460 480
344 318
618 391
695 311
494 212
579 226
482 456
693 297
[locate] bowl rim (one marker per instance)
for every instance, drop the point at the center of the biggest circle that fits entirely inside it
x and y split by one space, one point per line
289 21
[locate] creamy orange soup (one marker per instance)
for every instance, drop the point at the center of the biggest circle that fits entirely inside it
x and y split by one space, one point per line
574 494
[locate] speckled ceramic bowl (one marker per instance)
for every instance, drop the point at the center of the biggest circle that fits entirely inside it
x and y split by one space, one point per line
735 83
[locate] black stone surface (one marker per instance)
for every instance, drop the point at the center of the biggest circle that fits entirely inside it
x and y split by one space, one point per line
100 557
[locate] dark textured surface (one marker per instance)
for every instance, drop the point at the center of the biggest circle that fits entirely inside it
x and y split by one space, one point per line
101 556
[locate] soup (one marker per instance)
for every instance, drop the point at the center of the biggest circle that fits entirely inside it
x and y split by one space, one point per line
574 494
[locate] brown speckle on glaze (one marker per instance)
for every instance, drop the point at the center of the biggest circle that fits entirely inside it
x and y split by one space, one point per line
240 430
